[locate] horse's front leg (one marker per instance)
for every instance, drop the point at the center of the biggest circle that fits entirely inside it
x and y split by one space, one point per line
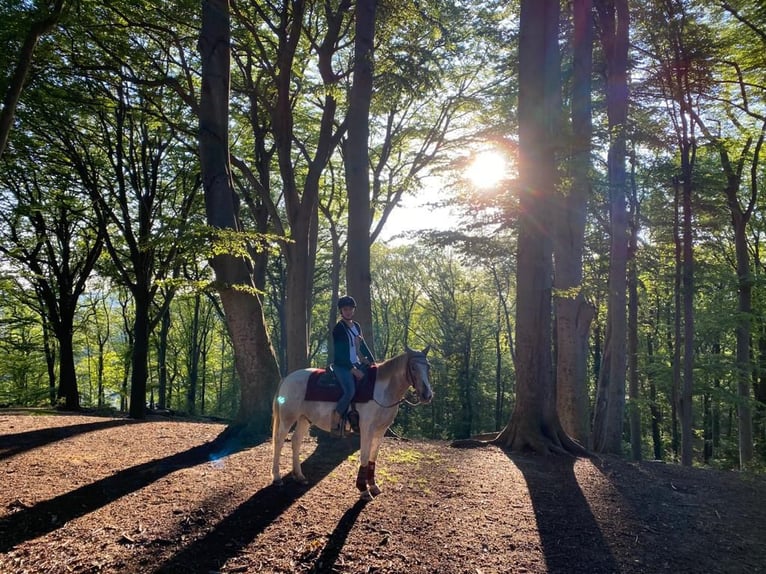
364 460
373 487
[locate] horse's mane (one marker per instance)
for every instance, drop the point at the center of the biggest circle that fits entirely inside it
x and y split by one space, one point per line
395 363
399 362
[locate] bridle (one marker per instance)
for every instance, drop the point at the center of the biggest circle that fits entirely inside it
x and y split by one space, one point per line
411 380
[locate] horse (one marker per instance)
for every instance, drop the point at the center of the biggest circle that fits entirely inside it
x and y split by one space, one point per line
394 377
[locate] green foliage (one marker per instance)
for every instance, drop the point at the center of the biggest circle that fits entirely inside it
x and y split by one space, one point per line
23 376
106 133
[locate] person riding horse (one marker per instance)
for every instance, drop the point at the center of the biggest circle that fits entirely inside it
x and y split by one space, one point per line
350 354
293 409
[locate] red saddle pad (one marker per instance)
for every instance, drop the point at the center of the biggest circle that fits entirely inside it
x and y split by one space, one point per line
319 389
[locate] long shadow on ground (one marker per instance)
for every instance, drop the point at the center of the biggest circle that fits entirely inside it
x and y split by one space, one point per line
571 538
331 551
676 513
244 524
13 444
49 515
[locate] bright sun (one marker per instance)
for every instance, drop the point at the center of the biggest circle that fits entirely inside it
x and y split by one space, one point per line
487 169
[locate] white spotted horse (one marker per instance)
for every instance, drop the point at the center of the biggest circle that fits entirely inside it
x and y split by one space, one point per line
393 378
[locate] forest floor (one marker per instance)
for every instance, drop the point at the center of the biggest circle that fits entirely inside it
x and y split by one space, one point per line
88 494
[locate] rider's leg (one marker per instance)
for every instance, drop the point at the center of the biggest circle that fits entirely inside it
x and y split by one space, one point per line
346 380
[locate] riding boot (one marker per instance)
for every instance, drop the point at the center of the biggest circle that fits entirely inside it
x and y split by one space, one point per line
336 426
353 419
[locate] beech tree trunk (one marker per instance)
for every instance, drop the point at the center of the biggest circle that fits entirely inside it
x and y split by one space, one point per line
68 393
255 360
357 163
573 313
634 411
534 422
739 219
610 400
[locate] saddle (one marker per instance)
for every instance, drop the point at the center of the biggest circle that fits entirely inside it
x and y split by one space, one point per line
323 386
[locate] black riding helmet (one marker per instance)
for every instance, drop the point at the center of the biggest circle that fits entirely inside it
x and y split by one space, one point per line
346 301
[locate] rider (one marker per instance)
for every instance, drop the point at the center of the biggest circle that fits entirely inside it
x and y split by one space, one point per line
350 352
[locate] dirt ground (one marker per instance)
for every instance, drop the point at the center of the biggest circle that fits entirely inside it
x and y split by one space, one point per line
88 494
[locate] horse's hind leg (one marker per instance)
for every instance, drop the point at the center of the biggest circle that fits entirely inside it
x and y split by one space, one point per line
279 434
298 435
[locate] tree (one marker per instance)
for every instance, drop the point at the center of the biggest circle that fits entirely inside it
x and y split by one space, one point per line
44 22
357 162
256 362
573 313
298 112
534 422
50 231
610 399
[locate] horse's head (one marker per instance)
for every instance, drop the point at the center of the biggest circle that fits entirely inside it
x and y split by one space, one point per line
418 371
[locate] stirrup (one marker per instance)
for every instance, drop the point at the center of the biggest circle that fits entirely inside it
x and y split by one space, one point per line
337 430
353 419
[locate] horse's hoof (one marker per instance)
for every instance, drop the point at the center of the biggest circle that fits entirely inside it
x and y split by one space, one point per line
366 496
374 490
302 480
278 482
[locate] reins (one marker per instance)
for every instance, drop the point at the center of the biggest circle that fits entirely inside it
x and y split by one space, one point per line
411 382
399 402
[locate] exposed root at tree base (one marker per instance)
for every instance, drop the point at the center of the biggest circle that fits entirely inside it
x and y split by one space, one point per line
543 439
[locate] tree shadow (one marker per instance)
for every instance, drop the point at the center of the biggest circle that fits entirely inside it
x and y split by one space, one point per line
331 550
48 515
570 535
13 444
245 523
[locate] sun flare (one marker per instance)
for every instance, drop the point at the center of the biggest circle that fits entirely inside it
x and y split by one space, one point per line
487 169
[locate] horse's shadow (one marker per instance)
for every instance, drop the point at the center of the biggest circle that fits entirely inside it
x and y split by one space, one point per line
252 517
566 524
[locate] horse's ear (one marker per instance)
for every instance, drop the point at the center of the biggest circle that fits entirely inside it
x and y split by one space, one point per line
425 351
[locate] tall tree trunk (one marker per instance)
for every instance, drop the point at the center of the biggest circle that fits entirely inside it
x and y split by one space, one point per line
302 208
100 374
634 411
193 353
573 313
676 341
685 407
67 391
357 164
654 408
534 422
707 425
50 359
255 360
744 311
139 372
740 218
759 391
162 360
297 295
607 425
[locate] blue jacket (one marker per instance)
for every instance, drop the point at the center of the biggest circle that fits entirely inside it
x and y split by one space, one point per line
341 336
